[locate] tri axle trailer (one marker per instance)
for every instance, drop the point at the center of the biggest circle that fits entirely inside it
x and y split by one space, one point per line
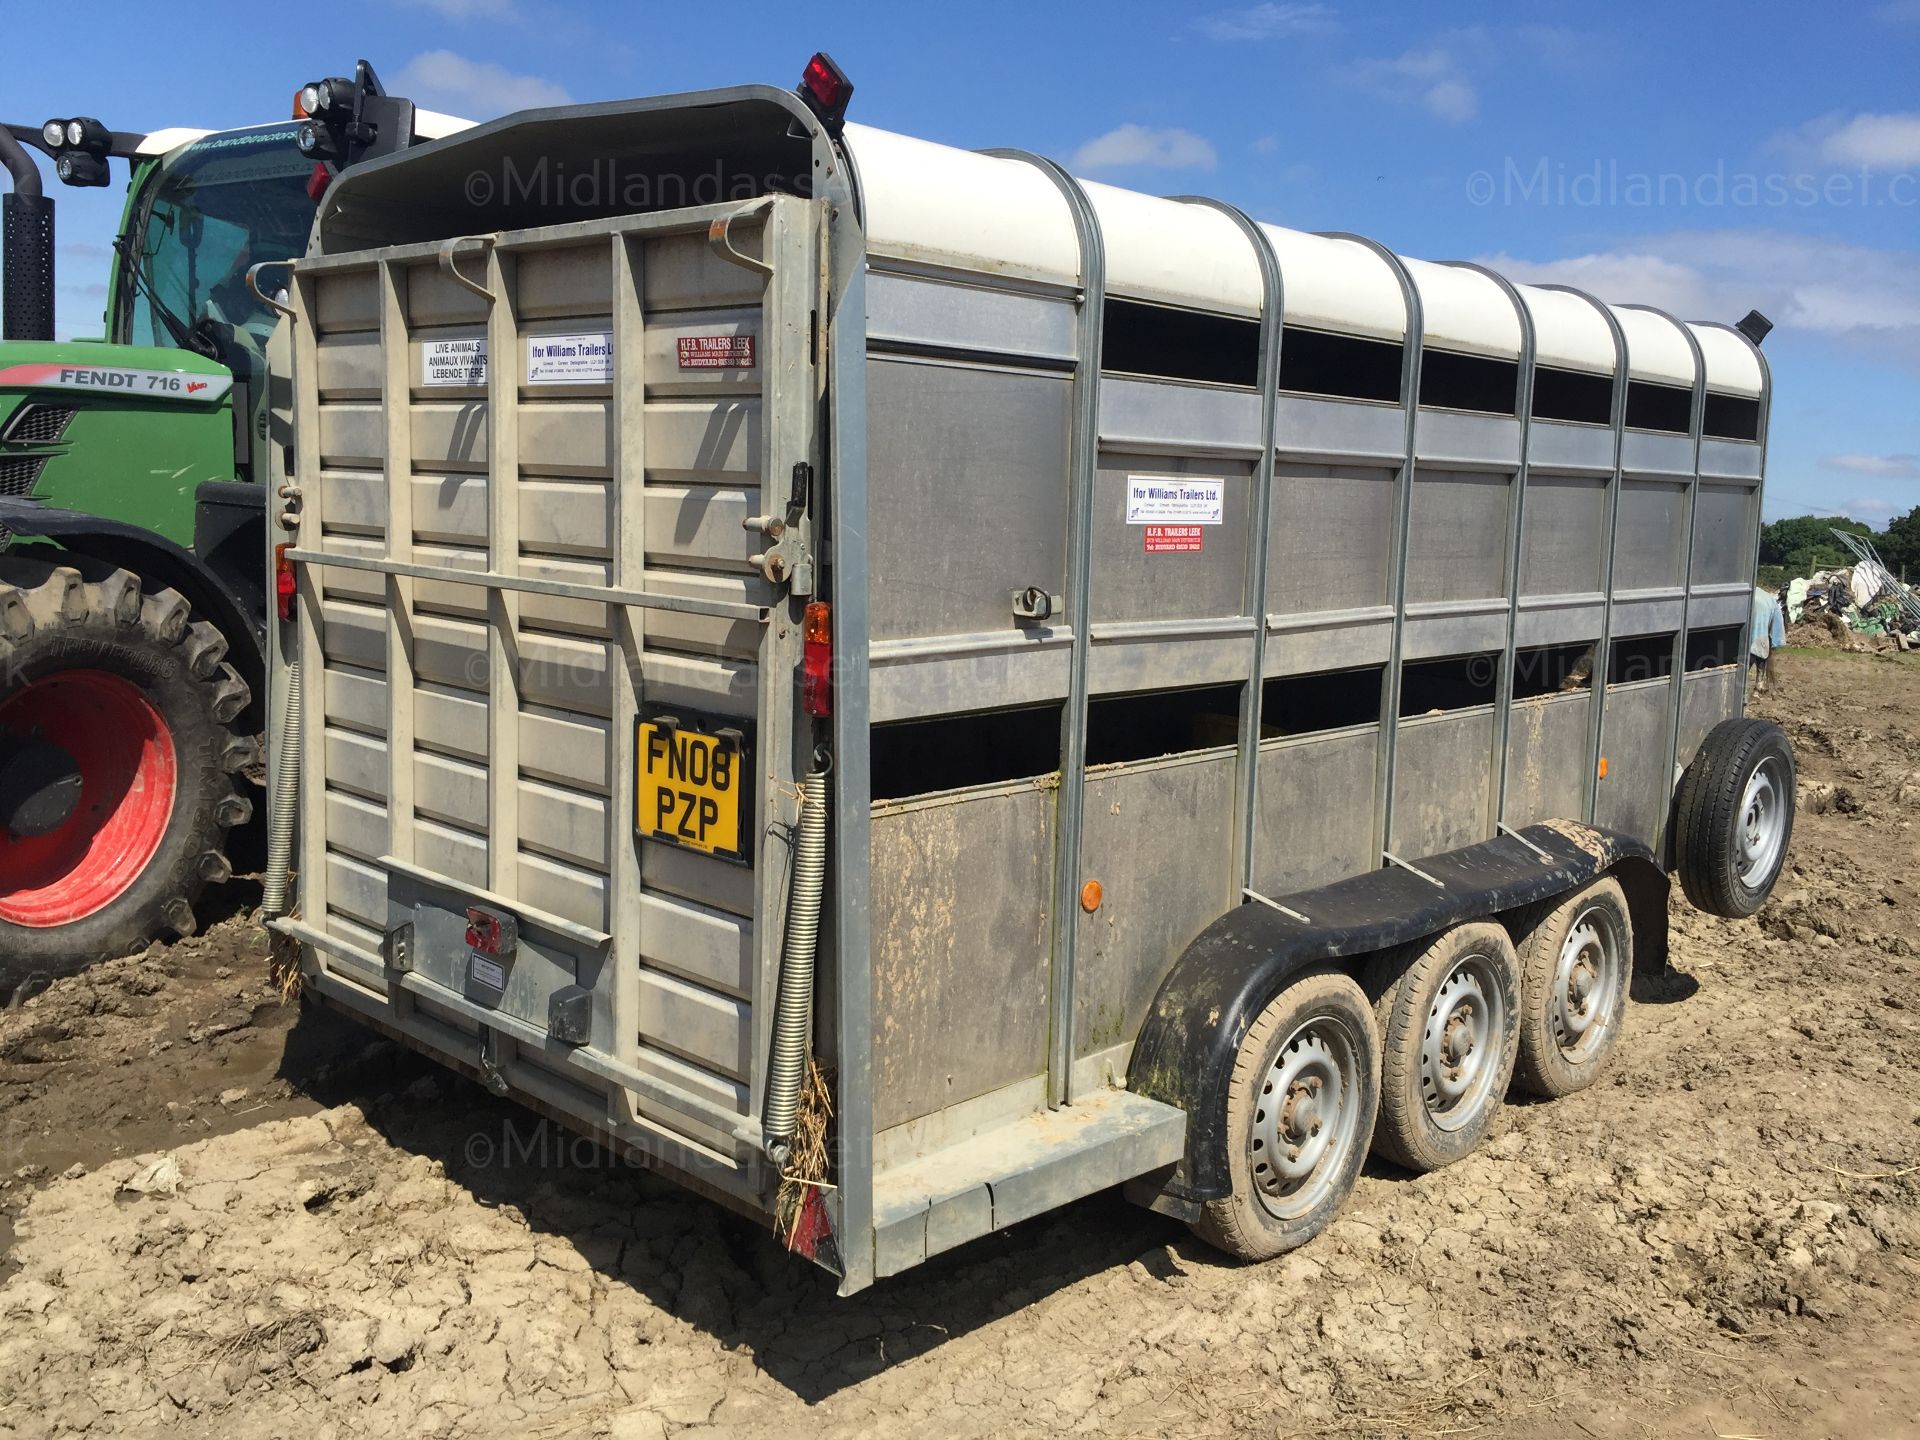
902 688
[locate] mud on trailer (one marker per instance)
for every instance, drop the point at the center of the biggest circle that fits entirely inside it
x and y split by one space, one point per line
1133 694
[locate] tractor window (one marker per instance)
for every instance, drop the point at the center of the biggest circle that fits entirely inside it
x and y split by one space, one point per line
212 209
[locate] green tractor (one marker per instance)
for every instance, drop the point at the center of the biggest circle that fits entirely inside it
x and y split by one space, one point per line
132 517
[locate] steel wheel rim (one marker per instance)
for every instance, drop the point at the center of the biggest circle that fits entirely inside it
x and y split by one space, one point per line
1306 1118
1762 828
1460 1046
1587 979
130 780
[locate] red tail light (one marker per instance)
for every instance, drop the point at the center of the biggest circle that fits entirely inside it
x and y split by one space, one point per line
318 181
816 660
824 86
283 583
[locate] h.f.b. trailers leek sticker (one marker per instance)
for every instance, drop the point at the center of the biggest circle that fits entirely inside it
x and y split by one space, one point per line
716 352
460 362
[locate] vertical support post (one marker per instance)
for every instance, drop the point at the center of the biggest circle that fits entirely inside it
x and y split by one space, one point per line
310 633
627 640
845 494
1084 460
1516 518
1758 497
1696 423
1272 330
1596 719
503 558
396 401
1411 357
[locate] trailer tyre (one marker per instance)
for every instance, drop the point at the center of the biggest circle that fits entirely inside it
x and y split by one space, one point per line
1449 1018
1734 817
1300 1111
119 774
1576 964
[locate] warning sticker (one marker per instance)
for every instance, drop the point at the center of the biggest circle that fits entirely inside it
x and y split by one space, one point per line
454 362
716 352
585 359
1174 539
1174 499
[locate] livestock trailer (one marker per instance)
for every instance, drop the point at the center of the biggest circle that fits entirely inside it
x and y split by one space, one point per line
902 687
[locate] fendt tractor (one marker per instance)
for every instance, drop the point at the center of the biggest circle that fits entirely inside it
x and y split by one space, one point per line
132 584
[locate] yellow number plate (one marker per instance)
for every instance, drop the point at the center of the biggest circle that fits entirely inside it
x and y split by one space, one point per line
688 788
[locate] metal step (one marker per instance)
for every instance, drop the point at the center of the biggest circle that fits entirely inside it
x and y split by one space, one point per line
1018 1170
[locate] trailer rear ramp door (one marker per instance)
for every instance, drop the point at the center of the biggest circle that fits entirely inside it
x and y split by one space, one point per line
548 681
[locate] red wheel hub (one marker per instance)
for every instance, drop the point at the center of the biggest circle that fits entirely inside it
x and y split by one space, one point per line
129 778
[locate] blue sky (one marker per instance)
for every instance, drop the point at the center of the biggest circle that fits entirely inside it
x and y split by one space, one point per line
1702 158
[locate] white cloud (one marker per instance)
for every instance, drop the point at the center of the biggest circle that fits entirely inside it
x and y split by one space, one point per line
1881 467
1137 146
1865 299
466 9
1268 22
1266 145
1434 78
1875 142
1899 12
475 89
1853 142
1868 507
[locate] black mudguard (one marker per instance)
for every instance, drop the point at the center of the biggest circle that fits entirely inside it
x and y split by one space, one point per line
159 562
1230 973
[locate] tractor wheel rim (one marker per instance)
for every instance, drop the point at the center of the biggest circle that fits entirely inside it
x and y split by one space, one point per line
1587 980
1306 1118
1461 1045
129 782
1763 825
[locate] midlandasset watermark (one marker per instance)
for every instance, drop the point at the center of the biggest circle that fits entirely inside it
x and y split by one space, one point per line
609 183
1549 184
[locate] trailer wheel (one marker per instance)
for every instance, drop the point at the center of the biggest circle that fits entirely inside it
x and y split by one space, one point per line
1300 1110
1576 963
1449 1016
1734 817
117 770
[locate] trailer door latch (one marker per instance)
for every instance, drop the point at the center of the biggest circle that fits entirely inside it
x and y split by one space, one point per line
1034 604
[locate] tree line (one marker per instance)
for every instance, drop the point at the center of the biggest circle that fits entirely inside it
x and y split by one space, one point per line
1803 543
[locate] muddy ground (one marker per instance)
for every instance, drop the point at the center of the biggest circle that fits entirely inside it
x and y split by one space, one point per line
226 1216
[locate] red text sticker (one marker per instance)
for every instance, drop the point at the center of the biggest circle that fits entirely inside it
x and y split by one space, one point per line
716 352
1177 539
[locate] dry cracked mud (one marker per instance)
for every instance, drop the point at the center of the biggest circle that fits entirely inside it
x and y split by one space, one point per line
238 1218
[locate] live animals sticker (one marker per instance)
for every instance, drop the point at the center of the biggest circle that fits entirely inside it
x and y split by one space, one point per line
454 362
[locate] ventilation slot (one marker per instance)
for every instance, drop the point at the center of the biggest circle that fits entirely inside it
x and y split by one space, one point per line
1732 417
39 425
1572 395
1659 407
1125 728
957 752
1332 700
18 473
1455 683
1171 344
1469 382
1711 649
1641 657
1342 367
1552 670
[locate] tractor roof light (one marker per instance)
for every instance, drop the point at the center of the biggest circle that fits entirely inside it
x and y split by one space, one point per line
826 89
54 133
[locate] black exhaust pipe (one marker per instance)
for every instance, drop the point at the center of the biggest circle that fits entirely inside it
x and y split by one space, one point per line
26 248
